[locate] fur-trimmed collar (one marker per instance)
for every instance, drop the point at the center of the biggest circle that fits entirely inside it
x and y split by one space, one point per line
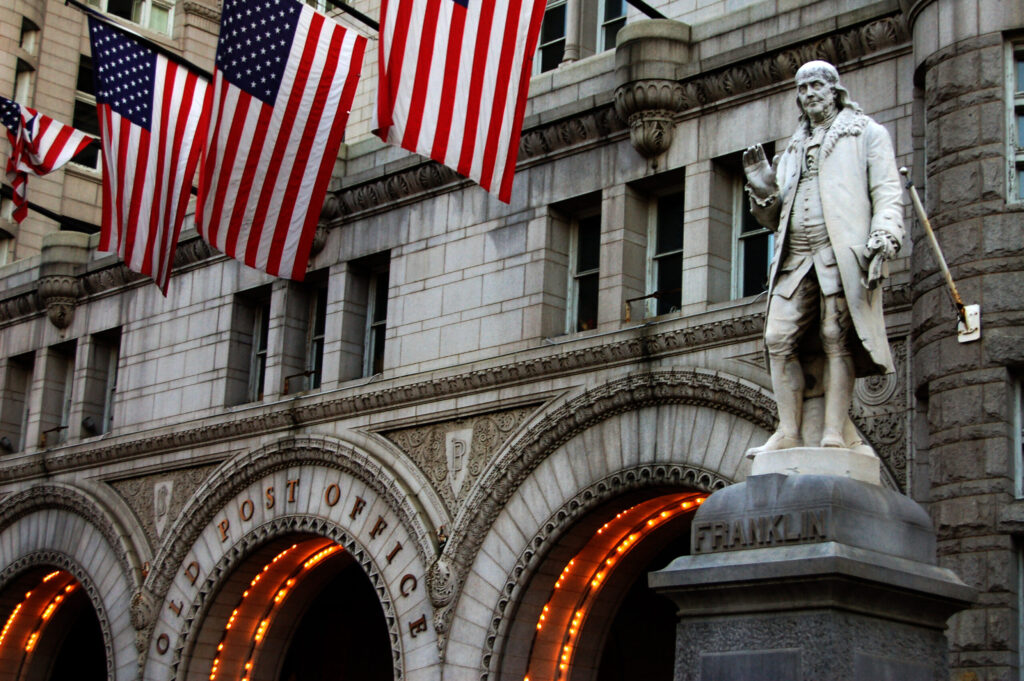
848 122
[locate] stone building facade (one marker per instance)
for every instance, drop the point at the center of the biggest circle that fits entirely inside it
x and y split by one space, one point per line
457 448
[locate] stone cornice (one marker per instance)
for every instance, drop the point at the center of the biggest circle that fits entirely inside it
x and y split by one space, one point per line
316 409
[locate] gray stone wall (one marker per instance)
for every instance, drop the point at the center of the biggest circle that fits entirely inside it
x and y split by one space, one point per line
966 390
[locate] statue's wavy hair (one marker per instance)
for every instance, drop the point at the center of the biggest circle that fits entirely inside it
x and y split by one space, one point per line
830 75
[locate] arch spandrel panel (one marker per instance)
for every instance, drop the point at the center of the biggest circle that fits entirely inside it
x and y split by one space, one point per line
302 499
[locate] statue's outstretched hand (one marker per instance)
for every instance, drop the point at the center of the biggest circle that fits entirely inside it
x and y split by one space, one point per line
761 176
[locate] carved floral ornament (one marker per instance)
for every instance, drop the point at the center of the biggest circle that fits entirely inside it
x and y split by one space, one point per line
59 295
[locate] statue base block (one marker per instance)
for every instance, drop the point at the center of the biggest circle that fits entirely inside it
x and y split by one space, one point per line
811 577
846 463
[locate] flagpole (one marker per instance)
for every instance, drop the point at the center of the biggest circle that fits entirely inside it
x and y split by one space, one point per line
646 9
349 9
155 46
79 225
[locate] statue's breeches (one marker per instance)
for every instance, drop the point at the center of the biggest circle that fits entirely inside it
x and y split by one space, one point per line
790 317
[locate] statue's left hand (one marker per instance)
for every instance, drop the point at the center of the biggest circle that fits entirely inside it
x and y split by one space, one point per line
880 242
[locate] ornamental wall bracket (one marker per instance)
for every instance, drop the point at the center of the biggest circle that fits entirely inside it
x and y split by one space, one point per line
59 294
63 257
648 94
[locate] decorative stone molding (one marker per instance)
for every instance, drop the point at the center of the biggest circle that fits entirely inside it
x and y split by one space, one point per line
44 497
454 453
506 474
770 69
59 294
529 560
318 410
650 108
880 411
143 495
238 473
57 559
202 11
648 94
258 537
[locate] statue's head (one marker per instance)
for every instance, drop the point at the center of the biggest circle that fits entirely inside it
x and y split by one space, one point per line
819 92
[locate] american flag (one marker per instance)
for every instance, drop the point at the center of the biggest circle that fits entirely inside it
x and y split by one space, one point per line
453 82
39 145
152 112
283 85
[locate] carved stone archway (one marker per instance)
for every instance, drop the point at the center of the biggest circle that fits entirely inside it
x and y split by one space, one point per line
492 492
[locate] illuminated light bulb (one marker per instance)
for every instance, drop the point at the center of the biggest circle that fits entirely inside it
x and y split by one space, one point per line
579 613
572 631
51 576
69 588
609 561
562 666
650 522
248 665
687 504
542 618
539 625
545 608
28 594
664 514
220 647
31 642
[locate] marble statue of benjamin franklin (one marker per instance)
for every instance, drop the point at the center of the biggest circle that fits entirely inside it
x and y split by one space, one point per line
833 199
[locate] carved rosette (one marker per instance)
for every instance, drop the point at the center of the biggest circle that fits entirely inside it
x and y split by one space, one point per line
59 295
649 107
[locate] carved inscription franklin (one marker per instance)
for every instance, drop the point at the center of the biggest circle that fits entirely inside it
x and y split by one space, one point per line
734 534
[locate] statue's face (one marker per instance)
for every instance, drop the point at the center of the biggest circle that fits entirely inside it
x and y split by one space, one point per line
816 97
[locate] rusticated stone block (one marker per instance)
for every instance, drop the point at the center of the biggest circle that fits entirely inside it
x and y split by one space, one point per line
1001 234
965 514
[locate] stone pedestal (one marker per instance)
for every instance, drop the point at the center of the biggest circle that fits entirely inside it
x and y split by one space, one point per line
808 578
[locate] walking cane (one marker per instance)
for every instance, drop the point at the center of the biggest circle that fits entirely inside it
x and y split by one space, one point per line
969 327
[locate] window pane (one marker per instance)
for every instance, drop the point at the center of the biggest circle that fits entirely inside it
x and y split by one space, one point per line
86 120
1019 64
1020 129
613 9
159 19
611 33
670 283
586 302
85 81
670 223
755 264
1020 183
588 247
551 56
553 26
121 8
377 363
380 303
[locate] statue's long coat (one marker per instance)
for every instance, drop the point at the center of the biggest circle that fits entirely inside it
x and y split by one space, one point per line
860 194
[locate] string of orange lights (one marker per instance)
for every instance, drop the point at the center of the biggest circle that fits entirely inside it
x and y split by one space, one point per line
622 535
280 592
